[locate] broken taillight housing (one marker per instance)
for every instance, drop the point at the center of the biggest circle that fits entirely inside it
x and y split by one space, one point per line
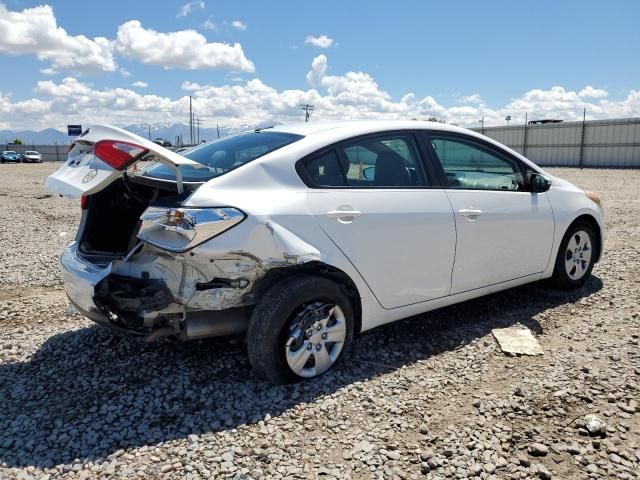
180 229
118 154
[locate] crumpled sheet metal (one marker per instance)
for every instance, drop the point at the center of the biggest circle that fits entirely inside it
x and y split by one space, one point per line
517 340
183 271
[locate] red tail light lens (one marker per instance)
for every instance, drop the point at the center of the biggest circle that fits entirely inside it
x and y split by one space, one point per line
84 202
117 154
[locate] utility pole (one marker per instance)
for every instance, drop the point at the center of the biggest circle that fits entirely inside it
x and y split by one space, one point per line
190 121
307 110
198 122
482 123
149 130
218 129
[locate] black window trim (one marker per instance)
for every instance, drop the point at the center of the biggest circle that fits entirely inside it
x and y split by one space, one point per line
426 137
429 174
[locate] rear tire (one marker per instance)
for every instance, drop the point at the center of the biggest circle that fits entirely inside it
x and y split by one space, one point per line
576 256
300 329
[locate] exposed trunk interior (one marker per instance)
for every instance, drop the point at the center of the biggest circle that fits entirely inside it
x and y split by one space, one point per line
110 223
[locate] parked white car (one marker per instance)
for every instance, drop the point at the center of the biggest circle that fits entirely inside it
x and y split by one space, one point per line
31 156
304 235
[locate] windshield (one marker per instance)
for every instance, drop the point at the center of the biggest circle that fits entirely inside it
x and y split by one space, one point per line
9 152
30 152
224 155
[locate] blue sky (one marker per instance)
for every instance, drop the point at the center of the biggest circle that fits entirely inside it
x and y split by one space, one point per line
458 60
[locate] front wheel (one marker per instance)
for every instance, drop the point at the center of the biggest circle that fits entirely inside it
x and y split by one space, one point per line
576 256
300 329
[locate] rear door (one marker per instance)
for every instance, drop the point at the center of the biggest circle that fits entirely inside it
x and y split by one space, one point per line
376 202
85 172
504 231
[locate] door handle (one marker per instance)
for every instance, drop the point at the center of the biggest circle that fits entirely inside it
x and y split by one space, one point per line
344 214
470 213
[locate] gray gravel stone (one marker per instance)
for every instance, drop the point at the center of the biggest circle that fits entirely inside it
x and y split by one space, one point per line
82 402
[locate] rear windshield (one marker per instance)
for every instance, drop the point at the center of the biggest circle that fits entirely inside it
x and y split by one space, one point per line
224 155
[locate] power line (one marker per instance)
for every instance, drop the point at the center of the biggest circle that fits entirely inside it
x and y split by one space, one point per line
307 110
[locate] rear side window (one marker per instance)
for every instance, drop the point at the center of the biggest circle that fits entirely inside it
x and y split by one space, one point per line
224 155
381 162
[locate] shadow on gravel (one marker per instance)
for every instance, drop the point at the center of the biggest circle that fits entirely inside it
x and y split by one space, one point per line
87 393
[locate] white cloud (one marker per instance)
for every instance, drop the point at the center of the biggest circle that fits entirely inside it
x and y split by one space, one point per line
208 24
186 49
318 70
475 98
351 95
590 92
187 8
140 84
35 31
321 41
193 86
239 25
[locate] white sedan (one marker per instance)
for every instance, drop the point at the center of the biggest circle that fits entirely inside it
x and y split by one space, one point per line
31 156
304 235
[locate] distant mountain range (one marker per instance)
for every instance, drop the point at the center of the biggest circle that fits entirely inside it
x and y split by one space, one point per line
48 136
168 131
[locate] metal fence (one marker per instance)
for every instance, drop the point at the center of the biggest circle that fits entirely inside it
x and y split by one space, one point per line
50 153
597 143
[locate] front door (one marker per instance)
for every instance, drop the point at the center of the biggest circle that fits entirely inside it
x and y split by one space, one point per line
504 231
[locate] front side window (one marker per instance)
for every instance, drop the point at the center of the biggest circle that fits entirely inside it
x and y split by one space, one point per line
471 166
224 155
382 162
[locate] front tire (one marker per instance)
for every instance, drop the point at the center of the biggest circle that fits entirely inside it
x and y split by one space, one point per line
300 329
576 256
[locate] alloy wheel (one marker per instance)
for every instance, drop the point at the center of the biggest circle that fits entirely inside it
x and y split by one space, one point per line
316 336
578 255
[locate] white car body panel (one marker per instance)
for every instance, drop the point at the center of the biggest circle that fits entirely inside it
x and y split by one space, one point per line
408 252
511 236
371 239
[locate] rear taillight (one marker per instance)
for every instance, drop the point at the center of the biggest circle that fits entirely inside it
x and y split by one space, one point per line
84 202
117 154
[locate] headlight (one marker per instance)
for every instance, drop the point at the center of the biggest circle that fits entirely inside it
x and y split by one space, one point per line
180 229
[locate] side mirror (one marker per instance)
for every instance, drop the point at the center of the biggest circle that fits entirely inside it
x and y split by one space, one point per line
369 173
539 183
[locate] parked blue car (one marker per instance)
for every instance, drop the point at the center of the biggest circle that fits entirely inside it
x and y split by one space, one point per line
10 156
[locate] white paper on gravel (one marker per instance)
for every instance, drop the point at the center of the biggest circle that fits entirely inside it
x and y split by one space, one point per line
517 340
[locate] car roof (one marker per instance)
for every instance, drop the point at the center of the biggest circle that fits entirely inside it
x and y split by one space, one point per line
359 127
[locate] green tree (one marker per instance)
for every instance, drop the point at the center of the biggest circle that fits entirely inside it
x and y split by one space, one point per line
17 141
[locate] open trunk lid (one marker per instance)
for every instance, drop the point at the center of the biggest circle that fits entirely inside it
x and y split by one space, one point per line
88 171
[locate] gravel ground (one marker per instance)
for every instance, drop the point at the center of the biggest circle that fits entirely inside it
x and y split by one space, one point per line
427 397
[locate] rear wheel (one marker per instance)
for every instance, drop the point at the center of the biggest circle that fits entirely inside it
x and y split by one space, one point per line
576 256
300 329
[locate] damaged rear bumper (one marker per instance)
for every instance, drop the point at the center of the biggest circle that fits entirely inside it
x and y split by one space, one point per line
145 305
80 279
